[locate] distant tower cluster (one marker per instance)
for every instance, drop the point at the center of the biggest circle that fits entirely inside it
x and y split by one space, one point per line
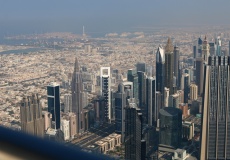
31 116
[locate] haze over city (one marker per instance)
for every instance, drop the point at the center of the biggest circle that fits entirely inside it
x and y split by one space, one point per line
105 16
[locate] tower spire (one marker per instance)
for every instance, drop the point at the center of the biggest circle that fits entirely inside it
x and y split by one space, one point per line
76 65
169 46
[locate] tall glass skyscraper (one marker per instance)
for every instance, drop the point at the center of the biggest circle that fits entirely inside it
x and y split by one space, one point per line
54 107
215 135
133 131
125 91
133 77
169 65
160 72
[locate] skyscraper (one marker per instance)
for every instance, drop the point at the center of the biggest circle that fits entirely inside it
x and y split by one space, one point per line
199 75
160 72
218 46
142 89
31 116
186 86
54 107
133 77
141 66
105 91
125 91
169 65
176 64
215 133
151 101
193 92
77 91
199 48
205 50
170 128
133 131
67 103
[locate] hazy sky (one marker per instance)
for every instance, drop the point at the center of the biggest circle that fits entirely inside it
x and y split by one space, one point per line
29 16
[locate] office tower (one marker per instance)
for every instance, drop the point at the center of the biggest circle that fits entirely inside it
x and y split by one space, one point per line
186 82
141 66
158 105
199 48
125 91
113 104
142 90
166 97
212 50
176 64
72 124
193 92
54 107
160 72
133 131
132 77
194 51
105 91
47 119
205 50
77 92
169 65
31 116
174 100
218 46
99 107
170 128
229 48
149 70
151 101
199 75
67 103
65 129
215 121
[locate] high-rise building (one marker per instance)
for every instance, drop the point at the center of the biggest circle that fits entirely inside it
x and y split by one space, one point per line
141 66
151 101
133 77
133 131
65 129
205 50
54 107
47 119
142 89
186 86
174 100
31 116
166 97
67 103
212 48
176 64
77 91
170 128
199 75
106 91
215 133
199 47
160 72
125 91
169 65
193 92
218 46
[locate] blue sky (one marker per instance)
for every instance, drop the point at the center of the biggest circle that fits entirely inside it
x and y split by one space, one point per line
108 15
